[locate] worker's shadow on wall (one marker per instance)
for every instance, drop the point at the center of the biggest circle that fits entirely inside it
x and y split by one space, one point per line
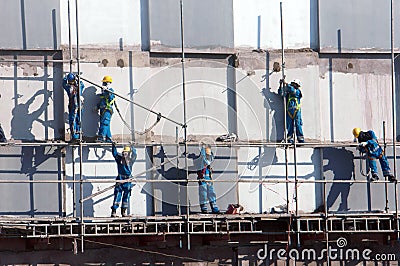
90 117
341 164
172 192
33 164
22 120
273 104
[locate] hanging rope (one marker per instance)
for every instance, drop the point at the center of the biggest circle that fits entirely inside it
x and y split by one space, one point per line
134 131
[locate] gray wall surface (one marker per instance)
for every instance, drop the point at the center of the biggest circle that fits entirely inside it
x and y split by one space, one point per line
347 164
207 23
31 163
168 195
30 24
356 25
32 97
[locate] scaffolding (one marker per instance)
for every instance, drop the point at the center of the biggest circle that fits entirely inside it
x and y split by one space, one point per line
295 223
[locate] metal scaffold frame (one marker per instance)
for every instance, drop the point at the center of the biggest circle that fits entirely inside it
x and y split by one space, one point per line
188 224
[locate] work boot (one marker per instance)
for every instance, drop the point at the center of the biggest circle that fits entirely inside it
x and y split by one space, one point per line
374 177
113 213
391 178
124 212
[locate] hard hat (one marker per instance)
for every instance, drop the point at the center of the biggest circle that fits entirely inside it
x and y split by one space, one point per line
297 81
356 132
208 151
70 77
127 149
107 79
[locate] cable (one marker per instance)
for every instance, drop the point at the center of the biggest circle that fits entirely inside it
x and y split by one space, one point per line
134 131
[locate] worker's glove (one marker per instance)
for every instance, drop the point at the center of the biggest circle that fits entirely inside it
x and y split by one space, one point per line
158 117
363 144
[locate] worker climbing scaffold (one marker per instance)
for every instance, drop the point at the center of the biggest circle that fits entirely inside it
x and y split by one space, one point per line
70 85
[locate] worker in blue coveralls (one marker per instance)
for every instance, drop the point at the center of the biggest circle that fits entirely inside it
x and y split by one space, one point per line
206 188
122 191
293 96
369 145
106 107
70 85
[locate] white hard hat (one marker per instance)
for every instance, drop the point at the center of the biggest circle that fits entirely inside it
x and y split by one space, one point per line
297 81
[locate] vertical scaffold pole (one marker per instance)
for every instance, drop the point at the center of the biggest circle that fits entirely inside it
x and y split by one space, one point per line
394 112
72 148
284 116
69 36
80 123
386 185
185 125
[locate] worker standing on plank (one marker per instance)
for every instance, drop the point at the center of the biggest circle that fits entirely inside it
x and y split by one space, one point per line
369 145
70 85
293 96
206 188
106 107
122 191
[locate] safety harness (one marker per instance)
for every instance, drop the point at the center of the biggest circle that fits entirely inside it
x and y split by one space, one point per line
291 99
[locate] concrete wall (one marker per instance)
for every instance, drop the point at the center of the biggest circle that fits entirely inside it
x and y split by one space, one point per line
357 25
30 25
257 23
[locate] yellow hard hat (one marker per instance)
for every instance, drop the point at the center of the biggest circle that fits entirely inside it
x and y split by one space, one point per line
208 151
356 132
107 79
127 149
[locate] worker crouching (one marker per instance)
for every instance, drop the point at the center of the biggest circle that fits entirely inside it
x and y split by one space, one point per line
368 143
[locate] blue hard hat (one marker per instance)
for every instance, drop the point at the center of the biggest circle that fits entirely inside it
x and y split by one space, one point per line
70 77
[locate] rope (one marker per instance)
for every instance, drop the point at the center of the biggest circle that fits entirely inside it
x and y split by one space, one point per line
134 131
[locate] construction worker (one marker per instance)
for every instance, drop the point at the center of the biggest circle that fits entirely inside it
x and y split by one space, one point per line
70 85
206 188
106 107
293 95
369 145
122 191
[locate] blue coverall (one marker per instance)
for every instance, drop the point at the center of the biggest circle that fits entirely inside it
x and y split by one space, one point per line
123 190
293 114
206 189
106 110
373 151
73 107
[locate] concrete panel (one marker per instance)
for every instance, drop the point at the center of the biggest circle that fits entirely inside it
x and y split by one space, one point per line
99 164
30 25
168 195
257 23
101 22
347 164
215 31
32 100
357 25
34 163
268 165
